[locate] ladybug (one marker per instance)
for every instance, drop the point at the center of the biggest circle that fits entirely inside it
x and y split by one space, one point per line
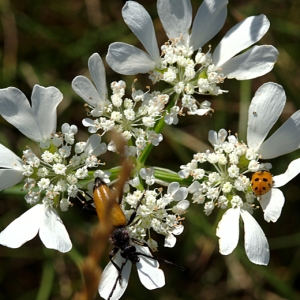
261 182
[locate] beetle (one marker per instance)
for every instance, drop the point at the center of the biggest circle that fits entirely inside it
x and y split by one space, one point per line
261 182
120 237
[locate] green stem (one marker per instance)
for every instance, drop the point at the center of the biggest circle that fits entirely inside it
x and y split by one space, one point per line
245 98
168 176
47 281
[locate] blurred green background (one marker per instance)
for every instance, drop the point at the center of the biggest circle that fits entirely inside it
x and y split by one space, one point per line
49 43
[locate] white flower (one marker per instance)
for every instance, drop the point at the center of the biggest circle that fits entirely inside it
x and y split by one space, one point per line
42 219
176 17
36 121
170 239
96 97
252 63
129 120
148 175
273 201
148 270
256 244
265 109
11 171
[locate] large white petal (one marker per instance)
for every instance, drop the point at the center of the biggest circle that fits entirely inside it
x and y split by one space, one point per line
284 140
176 17
98 74
256 244
24 228
209 19
109 277
10 177
83 87
140 22
253 63
240 37
128 60
11 173
53 232
265 108
228 231
292 171
272 204
148 270
37 121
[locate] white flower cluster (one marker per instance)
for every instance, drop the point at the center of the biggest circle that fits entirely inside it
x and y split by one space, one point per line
228 185
155 212
186 74
133 118
175 64
53 178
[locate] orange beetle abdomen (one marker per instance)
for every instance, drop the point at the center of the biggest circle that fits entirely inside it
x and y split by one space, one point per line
102 196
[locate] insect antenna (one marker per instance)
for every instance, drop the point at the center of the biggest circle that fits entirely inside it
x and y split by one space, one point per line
162 259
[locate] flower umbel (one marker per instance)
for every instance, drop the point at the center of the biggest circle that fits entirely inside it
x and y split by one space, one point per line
51 178
229 187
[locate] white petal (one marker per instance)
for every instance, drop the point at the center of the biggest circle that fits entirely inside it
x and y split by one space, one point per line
228 231
37 121
240 37
140 22
292 171
53 232
11 173
92 143
180 194
9 178
265 108
253 63
194 187
209 19
272 204
173 187
83 87
213 137
109 277
148 270
284 140
93 146
170 241
128 60
178 229
97 71
256 244
182 206
176 17
87 122
217 138
24 228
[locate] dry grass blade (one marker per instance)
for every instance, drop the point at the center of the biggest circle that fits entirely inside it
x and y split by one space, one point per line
91 271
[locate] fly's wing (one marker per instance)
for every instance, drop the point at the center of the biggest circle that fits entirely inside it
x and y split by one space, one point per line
148 270
109 279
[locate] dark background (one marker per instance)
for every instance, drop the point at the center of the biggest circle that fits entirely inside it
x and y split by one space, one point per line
49 43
